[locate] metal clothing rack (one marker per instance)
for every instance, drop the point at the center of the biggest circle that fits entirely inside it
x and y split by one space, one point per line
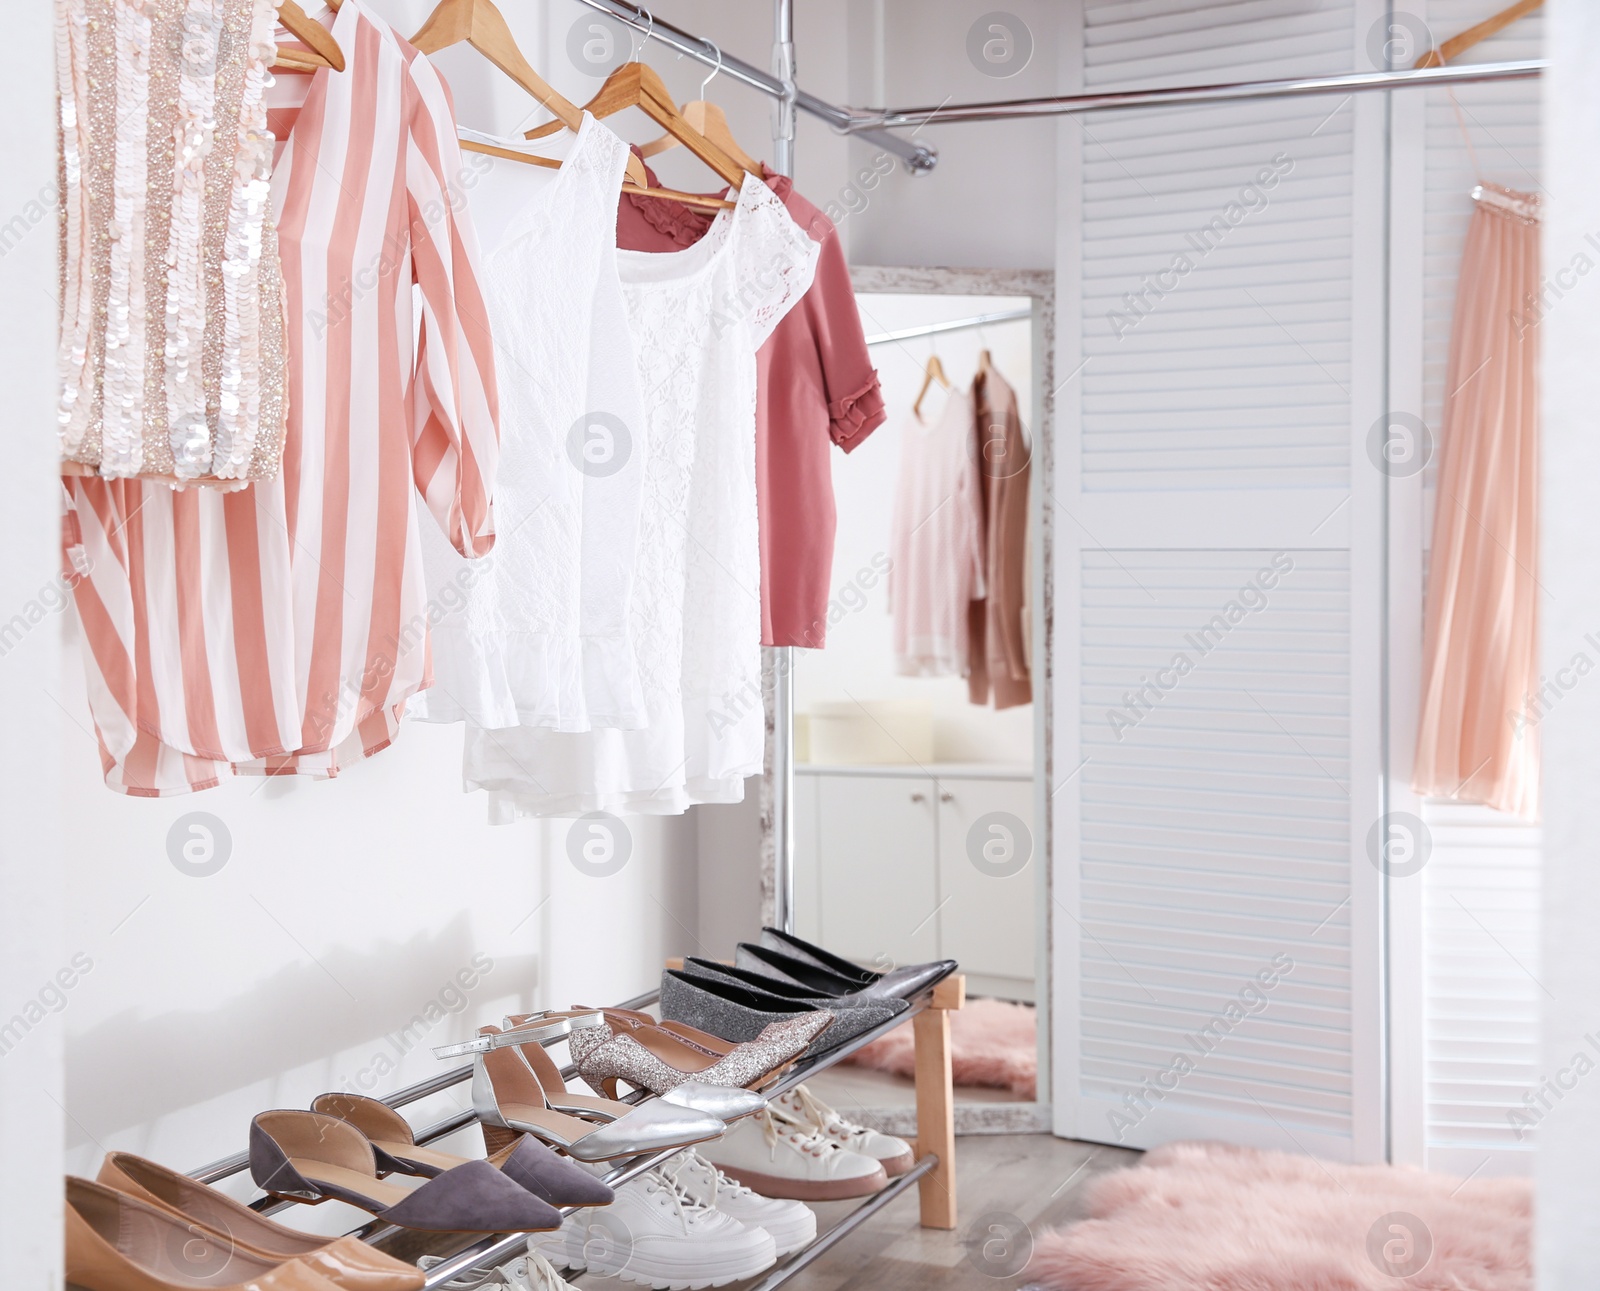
933 1172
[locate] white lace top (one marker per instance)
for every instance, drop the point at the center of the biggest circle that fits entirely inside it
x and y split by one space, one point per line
537 634
697 317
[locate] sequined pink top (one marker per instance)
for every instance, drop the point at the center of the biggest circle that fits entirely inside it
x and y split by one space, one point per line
280 629
816 386
171 352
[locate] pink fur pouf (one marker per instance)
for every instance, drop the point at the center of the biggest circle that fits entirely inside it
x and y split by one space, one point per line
992 1043
1205 1215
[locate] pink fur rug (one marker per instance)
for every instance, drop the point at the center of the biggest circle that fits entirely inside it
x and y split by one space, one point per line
992 1043
1205 1215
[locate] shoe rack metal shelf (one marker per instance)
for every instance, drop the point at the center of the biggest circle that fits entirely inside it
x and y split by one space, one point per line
933 1173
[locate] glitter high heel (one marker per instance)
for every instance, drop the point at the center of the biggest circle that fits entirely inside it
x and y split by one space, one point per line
650 1057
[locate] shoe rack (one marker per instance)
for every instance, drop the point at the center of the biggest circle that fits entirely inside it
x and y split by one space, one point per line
933 1174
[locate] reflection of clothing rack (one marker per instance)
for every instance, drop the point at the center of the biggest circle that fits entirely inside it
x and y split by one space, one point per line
953 325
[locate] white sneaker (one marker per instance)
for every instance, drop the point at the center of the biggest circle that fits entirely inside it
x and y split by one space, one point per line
780 1156
895 1155
656 1235
790 1224
530 1272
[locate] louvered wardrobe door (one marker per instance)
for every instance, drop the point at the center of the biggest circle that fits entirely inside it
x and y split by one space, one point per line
1217 580
1479 894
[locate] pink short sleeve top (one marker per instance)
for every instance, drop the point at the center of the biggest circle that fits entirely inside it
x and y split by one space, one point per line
816 386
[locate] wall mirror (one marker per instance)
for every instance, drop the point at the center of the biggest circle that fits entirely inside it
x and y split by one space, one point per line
920 810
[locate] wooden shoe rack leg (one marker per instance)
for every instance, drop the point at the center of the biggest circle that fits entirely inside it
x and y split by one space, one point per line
936 1109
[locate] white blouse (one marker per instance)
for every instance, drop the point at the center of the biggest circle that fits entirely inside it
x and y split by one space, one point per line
538 635
697 318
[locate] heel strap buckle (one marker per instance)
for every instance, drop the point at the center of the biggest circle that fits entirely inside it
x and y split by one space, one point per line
530 1033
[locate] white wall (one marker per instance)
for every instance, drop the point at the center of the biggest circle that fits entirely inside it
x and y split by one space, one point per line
342 910
31 952
1568 1208
990 202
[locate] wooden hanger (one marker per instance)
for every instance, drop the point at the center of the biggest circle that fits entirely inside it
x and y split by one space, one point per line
635 85
1477 34
933 372
711 121
533 159
479 24
322 50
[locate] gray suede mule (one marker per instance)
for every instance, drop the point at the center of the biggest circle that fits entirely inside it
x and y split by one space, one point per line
310 1157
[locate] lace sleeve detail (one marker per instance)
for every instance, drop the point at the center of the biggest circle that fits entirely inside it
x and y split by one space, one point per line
774 260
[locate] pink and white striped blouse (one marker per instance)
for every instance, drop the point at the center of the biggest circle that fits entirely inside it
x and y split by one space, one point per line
280 629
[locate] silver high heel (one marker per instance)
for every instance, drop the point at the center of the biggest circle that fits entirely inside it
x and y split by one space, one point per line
507 1095
727 1104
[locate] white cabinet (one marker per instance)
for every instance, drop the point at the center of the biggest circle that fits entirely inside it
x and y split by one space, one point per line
878 886
986 876
897 867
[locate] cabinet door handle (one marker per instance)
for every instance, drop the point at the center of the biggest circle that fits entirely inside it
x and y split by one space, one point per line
919 797
946 796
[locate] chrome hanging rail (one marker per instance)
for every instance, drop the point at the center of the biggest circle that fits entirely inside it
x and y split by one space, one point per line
1109 101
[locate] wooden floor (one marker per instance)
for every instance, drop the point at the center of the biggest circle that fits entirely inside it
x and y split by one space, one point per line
1023 1182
